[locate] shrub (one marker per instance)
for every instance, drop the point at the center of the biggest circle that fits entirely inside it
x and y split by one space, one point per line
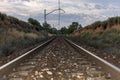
2 16
13 40
108 41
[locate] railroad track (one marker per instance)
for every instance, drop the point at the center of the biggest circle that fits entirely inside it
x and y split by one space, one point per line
59 60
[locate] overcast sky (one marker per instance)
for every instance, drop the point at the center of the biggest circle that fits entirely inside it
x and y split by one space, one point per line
83 11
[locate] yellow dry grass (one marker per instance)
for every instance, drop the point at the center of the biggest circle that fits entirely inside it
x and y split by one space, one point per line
117 27
15 33
32 35
98 29
19 34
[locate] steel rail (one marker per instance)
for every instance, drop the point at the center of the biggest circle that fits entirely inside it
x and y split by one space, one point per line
114 70
3 67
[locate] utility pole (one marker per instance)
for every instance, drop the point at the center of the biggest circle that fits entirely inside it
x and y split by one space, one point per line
59 13
45 16
59 9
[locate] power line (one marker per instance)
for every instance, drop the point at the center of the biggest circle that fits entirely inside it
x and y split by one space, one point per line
59 12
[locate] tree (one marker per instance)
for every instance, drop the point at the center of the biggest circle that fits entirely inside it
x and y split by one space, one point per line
49 29
53 30
35 23
46 26
64 30
2 16
73 27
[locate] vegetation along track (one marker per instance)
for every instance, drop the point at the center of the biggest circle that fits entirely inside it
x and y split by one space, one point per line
62 60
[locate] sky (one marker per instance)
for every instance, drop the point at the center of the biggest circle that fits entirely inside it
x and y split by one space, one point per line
84 12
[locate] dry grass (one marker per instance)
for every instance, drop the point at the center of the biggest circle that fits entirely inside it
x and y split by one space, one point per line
32 35
117 27
108 40
16 34
19 34
12 39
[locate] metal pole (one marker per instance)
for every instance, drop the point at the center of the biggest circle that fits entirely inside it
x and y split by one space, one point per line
118 20
45 16
45 13
59 13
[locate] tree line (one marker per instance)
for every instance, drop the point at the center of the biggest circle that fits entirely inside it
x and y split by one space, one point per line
75 25
64 30
71 28
45 26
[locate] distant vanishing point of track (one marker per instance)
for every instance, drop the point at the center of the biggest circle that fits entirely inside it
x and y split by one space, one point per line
59 59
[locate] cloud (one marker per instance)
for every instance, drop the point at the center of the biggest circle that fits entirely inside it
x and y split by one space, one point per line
82 11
